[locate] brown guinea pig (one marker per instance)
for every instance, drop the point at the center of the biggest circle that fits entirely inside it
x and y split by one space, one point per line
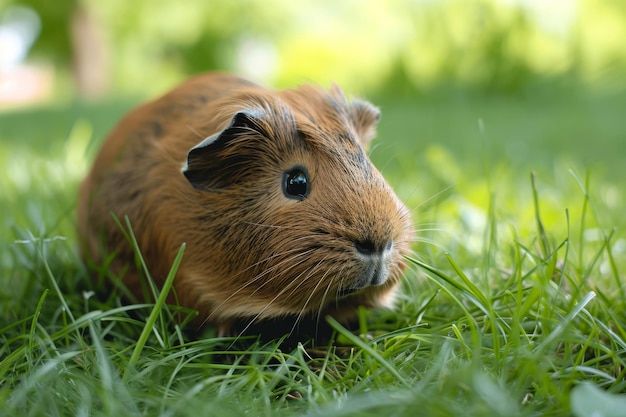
282 212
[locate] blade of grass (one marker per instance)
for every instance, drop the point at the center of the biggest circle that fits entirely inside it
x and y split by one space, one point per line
39 245
543 237
29 382
482 303
472 322
585 189
367 348
567 320
490 241
158 305
33 325
132 239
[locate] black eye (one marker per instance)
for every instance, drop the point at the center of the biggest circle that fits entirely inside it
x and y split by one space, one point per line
296 183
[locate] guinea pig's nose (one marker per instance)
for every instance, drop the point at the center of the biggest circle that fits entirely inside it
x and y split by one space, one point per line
374 258
368 247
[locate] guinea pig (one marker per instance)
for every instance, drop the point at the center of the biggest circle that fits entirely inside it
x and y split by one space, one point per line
282 212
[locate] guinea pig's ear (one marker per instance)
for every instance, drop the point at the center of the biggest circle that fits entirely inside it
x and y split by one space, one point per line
211 164
365 117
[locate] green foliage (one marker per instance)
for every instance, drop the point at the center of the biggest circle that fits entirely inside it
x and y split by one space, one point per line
54 40
512 306
489 45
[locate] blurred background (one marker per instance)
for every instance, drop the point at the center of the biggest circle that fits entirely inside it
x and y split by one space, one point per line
475 94
95 49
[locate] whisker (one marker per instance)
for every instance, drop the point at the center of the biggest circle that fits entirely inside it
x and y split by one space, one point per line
337 295
195 132
252 281
296 280
257 278
281 273
435 196
319 281
429 242
273 256
307 237
192 200
263 273
269 226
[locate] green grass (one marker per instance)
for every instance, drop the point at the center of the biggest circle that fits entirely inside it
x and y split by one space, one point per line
514 304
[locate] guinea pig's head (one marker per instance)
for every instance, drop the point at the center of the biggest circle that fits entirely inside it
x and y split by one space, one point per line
289 216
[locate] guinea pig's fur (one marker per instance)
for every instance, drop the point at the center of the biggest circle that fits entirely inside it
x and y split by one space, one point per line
282 212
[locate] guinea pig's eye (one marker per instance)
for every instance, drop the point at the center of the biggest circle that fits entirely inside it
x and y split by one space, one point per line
296 183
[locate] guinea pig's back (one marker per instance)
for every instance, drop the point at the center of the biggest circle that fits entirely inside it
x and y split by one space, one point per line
178 111
144 151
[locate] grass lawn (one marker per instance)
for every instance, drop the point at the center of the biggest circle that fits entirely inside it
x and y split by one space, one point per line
514 304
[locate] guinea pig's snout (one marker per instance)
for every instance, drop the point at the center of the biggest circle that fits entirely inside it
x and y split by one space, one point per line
375 258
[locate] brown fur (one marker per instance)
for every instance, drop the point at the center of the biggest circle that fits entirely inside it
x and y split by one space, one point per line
252 253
